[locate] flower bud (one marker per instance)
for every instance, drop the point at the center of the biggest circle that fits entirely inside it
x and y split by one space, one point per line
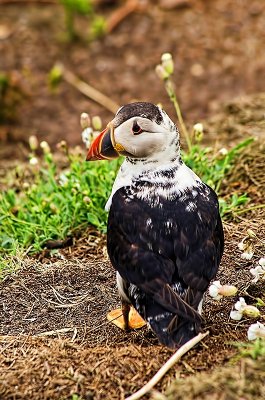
45 147
53 208
97 123
251 311
251 233
198 131
33 142
167 63
62 145
227 290
85 120
161 72
87 200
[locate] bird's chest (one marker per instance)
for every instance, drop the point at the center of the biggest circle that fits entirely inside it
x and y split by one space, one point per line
154 222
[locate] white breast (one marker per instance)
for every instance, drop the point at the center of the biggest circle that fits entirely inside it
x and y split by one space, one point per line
182 179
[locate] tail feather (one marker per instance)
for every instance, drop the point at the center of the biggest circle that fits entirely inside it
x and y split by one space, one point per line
171 330
173 320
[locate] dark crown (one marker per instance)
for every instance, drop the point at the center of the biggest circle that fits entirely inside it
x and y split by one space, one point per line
139 109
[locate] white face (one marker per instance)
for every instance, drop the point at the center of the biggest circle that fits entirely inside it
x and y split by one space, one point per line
153 139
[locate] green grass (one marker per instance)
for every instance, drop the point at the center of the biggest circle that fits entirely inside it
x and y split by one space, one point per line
254 350
56 202
212 167
49 202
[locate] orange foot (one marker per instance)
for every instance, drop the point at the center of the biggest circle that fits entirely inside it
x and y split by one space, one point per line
117 318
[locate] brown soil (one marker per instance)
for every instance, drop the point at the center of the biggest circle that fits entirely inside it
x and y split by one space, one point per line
56 340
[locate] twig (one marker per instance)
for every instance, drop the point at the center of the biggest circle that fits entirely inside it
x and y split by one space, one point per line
121 13
88 90
166 367
55 332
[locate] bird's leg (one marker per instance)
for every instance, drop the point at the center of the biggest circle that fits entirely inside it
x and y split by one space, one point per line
125 312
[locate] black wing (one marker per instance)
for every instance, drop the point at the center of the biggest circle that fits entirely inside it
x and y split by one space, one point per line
168 253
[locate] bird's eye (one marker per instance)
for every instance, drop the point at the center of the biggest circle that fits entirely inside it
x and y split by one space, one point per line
136 129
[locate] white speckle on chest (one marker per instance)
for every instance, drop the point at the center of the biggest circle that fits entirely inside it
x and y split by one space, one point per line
191 206
148 185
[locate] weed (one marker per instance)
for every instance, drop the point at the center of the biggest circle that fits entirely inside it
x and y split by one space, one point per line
211 166
58 198
86 8
11 95
57 201
253 349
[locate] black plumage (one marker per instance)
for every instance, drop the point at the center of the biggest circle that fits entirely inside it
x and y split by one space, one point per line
165 236
166 270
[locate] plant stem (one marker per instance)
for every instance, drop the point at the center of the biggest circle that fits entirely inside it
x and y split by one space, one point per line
172 95
69 22
250 209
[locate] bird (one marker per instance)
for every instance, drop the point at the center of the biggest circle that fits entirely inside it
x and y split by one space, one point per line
164 233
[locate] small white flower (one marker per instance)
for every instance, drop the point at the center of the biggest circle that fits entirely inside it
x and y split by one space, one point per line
223 151
262 261
241 245
217 291
247 255
198 127
236 315
63 179
256 331
240 304
87 135
241 308
33 161
214 290
258 273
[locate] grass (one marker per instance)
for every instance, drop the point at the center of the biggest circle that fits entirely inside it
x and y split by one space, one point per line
51 201
56 201
254 350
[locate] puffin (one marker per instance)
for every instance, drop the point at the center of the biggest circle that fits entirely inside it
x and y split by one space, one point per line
164 233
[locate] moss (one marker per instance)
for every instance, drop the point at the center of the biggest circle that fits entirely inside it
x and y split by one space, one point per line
244 381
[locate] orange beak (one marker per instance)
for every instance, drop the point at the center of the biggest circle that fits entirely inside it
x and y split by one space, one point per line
102 147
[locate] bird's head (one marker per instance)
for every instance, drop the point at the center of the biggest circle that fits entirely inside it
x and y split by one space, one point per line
139 131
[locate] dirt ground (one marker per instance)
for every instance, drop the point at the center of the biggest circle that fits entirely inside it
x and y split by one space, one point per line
55 340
